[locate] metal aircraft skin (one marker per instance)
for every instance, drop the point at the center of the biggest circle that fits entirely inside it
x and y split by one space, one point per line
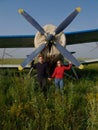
50 40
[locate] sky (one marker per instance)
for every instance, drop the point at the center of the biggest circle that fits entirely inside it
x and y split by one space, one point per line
46 12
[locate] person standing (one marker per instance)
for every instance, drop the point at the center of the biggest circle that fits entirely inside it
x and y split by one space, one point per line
42 72
58 74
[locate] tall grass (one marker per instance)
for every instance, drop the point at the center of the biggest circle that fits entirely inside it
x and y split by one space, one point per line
24 107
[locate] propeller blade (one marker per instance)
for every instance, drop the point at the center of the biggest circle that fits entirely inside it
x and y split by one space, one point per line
31 56
67 21
31 20
68 55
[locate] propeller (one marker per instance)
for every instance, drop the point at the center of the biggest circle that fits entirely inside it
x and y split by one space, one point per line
50 38
31 20
68 55
67 21
31 56
64 24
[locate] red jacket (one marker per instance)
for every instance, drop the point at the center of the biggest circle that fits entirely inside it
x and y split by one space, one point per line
59 71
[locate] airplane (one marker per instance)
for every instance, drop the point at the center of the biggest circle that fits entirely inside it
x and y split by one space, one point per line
50 40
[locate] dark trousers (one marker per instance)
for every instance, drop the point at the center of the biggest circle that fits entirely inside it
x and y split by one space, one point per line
43 84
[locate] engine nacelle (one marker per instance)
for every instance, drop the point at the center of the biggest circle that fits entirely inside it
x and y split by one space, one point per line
53 54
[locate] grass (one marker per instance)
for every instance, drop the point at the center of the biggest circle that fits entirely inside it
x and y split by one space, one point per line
11 61
24 107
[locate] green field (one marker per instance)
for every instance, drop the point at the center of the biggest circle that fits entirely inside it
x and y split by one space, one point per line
11 61
24 107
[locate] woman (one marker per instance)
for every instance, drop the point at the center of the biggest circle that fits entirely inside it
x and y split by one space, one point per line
58 74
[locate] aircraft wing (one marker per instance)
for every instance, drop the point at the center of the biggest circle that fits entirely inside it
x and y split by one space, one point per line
85 61
82 37
12 66
22 41
89 61
18 41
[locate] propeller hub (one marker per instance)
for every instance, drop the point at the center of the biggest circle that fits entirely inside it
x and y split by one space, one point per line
50 39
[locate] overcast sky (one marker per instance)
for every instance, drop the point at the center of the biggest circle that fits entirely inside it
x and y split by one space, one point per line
45 12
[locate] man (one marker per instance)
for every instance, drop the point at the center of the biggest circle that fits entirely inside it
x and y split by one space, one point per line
42 72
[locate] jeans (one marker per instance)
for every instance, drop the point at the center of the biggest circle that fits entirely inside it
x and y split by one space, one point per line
59 83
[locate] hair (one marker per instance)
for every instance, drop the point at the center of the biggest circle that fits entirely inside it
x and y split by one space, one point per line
40 55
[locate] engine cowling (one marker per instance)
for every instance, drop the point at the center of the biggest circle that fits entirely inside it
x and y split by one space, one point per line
53 54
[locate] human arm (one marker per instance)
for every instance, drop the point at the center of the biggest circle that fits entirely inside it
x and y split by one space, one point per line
33 65
54 73
69 66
